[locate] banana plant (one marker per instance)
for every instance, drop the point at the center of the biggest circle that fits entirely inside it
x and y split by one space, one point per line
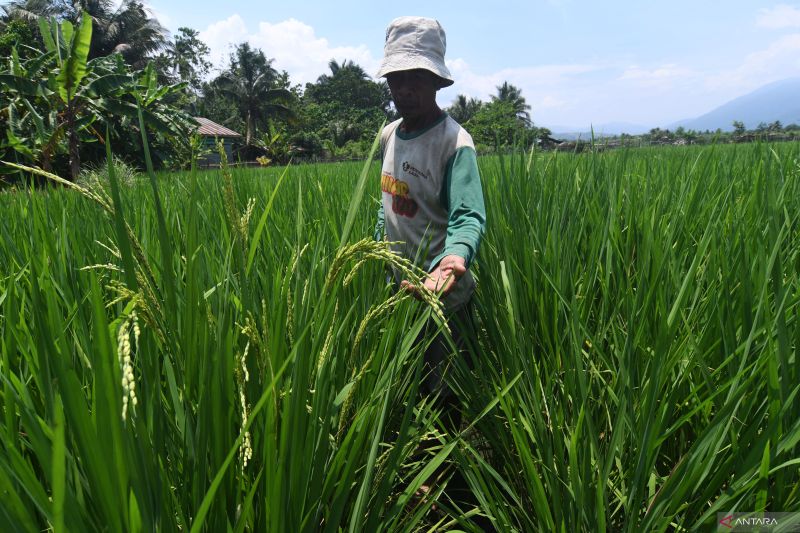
53 97
67 84
60 100
33 134
151 97
276 145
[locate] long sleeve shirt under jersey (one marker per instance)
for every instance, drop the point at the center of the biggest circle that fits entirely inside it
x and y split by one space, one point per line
432 200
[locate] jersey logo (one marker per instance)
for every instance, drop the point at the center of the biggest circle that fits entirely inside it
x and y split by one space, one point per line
417 173
402 203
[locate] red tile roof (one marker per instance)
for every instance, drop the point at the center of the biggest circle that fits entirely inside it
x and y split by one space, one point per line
212 129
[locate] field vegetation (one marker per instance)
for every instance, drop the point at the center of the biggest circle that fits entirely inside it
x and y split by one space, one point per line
220 351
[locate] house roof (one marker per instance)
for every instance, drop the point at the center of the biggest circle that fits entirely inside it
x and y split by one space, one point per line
212 129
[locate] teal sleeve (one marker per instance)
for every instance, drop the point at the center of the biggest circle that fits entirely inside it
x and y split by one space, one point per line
462 196
378 233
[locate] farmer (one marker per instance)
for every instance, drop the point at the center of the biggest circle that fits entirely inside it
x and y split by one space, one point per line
432 202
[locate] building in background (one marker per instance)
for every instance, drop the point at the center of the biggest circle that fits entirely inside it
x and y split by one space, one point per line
210 131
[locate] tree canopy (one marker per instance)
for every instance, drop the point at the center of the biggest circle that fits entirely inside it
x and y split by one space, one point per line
60 102
124 27
336 116
255 88
464 108
512 96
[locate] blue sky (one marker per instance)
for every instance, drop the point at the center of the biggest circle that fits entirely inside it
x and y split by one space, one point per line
577 63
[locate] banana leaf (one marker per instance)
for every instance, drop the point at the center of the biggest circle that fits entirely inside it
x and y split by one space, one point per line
107 84
74 69
18 84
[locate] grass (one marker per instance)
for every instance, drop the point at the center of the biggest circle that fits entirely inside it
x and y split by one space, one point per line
637 369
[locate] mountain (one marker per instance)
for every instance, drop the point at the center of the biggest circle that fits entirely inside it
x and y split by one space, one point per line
776 101
609 129
779 100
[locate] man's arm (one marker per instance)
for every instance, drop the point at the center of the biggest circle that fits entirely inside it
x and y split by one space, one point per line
462 195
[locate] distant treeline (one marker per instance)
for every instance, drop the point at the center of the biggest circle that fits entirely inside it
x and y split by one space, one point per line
69 85
772 132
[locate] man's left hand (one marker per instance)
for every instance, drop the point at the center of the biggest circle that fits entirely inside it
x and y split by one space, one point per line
442 278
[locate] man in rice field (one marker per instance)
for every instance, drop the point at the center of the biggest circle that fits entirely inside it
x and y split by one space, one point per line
432 201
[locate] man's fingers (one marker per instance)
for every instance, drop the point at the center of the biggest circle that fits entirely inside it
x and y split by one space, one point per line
457 266
410 287
439 281
451 266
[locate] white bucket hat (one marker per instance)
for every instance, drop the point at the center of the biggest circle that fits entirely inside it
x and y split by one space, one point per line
415 42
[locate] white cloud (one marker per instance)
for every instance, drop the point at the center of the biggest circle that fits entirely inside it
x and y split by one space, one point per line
554 92
297 49
780 57
660 76
779 60
780 16
647 94
293 45
552 102
542 78
573 94
220 35
160 16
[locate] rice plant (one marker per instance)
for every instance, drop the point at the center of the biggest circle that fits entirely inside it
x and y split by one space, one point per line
652 319
220 351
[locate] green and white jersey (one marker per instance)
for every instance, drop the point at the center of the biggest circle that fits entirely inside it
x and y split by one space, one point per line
432 201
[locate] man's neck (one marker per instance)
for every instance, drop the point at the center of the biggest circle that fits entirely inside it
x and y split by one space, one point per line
418 123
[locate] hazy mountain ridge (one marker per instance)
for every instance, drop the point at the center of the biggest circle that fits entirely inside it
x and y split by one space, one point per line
779 101
610 129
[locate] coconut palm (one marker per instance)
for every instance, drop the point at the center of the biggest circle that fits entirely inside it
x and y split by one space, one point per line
253 85
347 66
126 28
31 10
186 58
349 85
348 104
513 95
464 108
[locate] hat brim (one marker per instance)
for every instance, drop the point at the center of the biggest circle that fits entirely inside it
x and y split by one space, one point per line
410 61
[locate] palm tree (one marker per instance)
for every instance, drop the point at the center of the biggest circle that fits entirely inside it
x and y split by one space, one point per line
512 95
129 30
251 83
347 66
126 28
349 86
464 108
187 56
30 10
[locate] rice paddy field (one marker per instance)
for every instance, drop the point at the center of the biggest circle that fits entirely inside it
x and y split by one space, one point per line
220 351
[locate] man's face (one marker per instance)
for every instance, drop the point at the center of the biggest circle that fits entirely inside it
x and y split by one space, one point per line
413 92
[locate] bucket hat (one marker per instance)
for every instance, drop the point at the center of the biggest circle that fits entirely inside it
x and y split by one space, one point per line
415 42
